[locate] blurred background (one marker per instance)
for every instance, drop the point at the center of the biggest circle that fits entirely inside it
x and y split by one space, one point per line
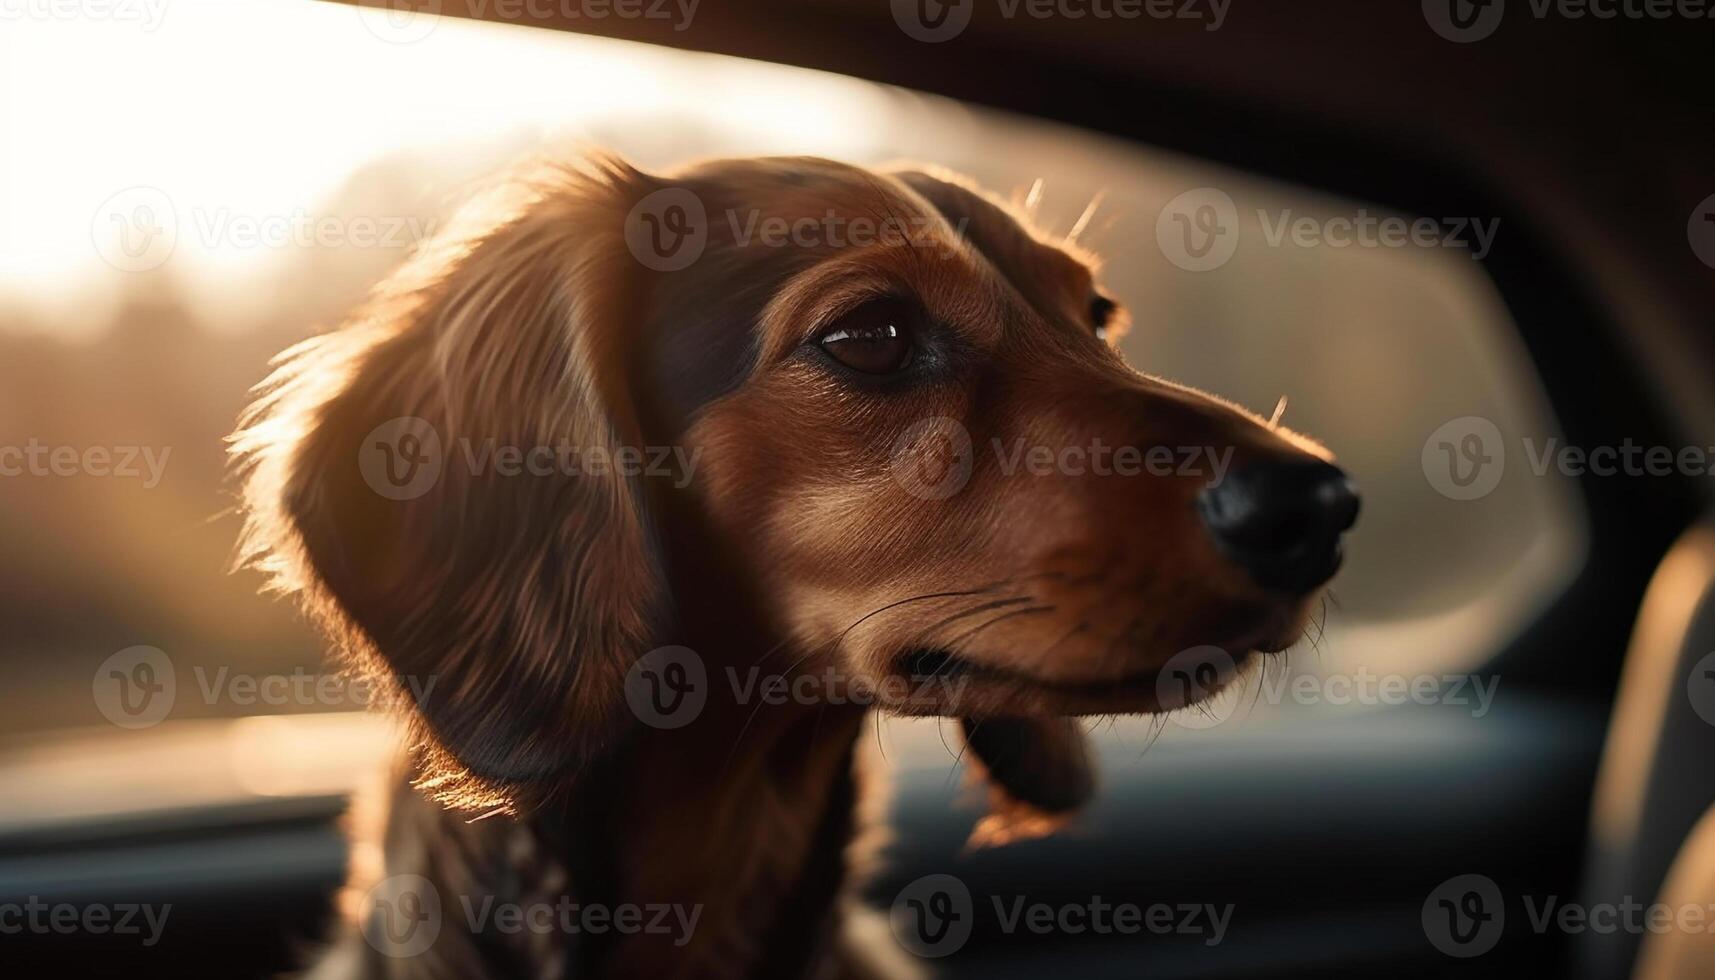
158 349
188 191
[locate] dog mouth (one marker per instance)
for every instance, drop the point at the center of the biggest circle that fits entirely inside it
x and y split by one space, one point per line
933 681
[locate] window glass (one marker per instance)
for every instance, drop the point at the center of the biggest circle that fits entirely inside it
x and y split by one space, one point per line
156 253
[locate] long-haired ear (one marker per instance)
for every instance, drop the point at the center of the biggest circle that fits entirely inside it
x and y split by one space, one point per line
505 602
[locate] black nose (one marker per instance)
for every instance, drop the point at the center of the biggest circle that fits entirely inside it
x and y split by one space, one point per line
1282 520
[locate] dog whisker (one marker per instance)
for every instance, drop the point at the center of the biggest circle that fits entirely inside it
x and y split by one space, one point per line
959 757
974 610
961 638
1157 726
1103 599
833 646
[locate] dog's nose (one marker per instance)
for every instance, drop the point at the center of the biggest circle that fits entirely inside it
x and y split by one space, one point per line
1282 520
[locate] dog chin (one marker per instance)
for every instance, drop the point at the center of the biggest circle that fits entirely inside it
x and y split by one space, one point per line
938 682
931 680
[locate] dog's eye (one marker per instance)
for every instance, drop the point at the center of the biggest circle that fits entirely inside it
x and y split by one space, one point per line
875 338
1101 312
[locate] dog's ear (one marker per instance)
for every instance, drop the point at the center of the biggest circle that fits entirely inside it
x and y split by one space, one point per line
506 596
1039 775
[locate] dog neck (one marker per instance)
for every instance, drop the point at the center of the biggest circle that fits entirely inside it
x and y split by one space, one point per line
737 819
717 850
738 823
743 823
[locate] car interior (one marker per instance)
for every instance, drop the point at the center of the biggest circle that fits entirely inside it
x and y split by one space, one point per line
1564 620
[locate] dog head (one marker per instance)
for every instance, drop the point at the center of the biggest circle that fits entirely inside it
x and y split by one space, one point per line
895 411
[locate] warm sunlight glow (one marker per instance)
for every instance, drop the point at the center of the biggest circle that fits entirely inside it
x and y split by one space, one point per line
236 120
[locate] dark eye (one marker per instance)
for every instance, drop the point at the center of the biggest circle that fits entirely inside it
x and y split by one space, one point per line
1101 311
875 338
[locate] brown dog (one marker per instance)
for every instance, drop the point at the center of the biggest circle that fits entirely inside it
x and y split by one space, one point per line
883 406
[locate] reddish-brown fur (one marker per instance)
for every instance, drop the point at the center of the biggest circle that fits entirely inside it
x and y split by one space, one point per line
795 548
